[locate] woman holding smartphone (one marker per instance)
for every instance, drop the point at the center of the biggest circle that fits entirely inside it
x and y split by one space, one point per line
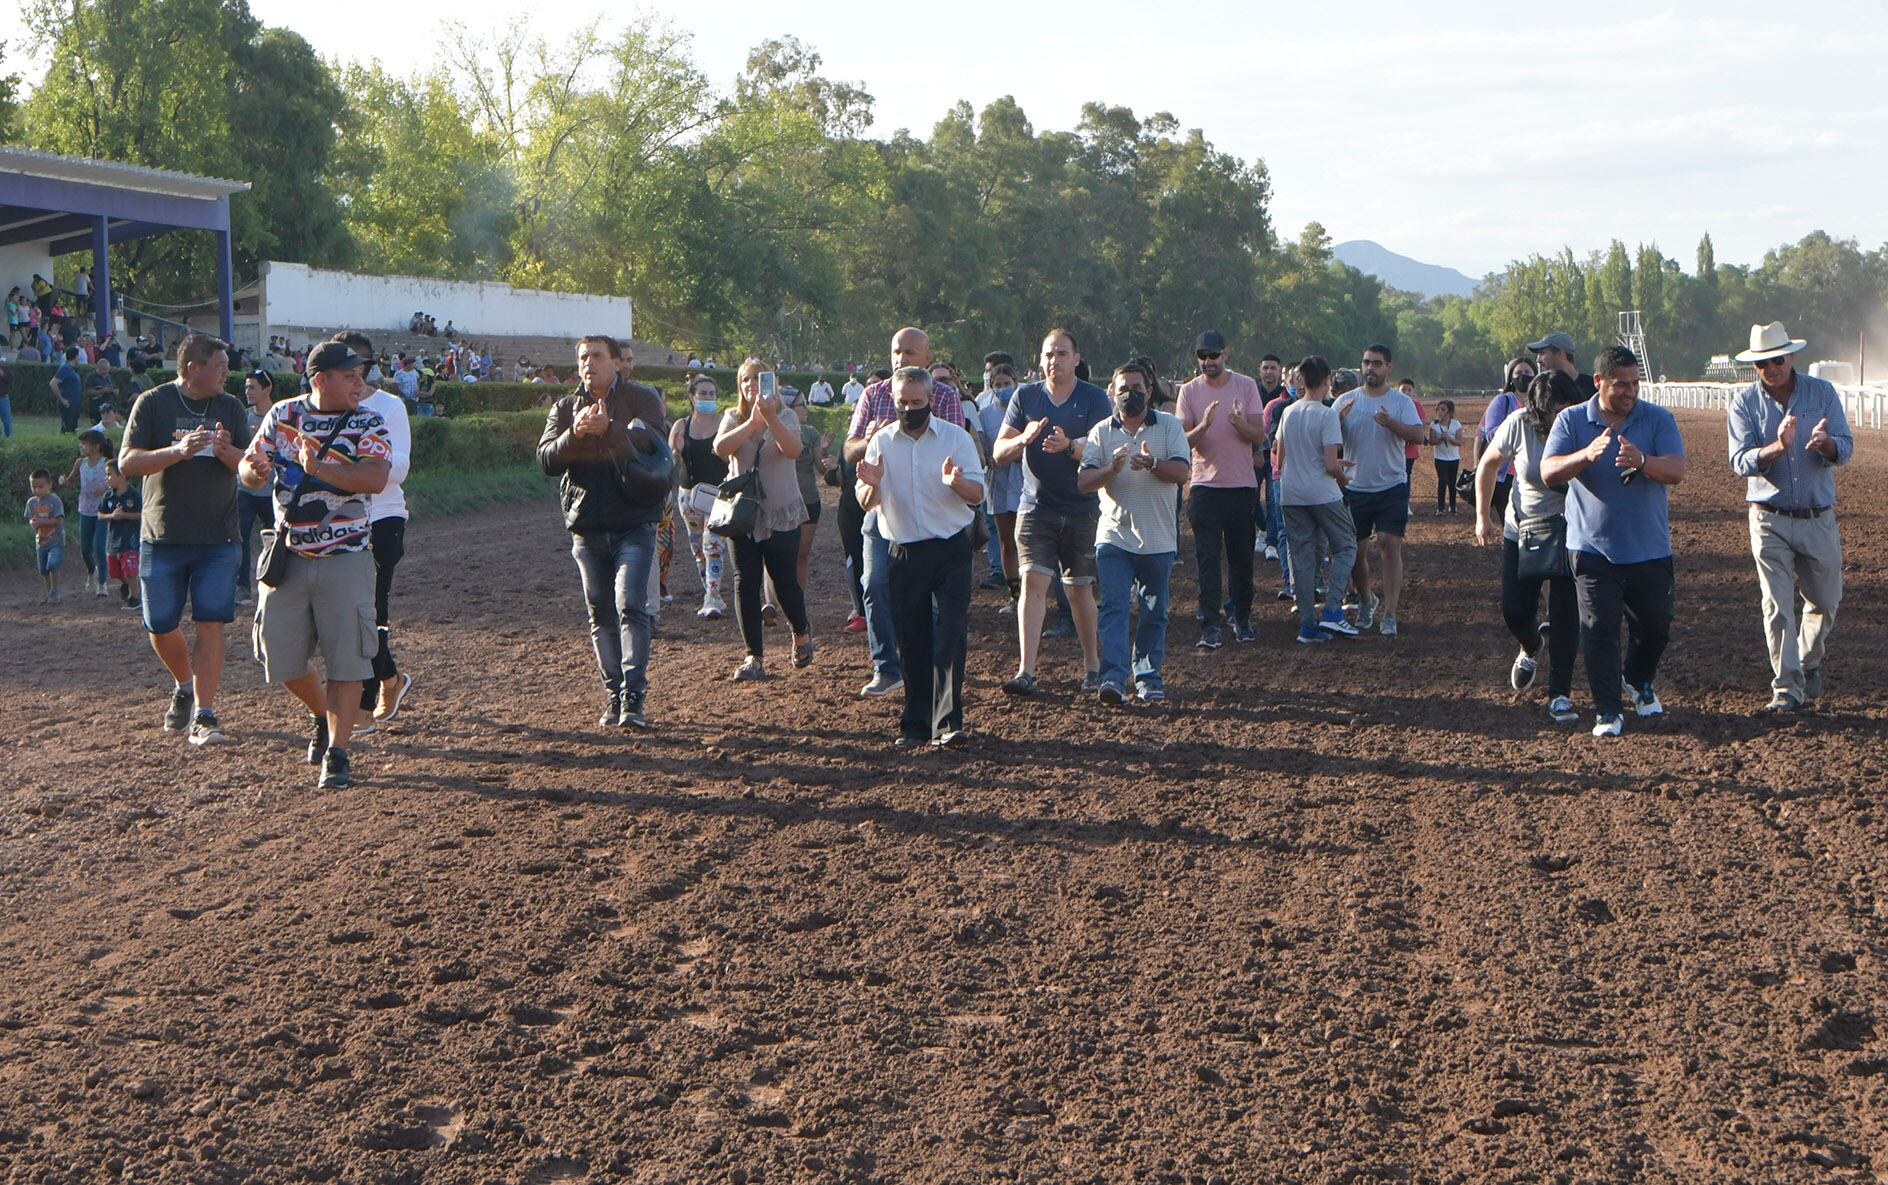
759 433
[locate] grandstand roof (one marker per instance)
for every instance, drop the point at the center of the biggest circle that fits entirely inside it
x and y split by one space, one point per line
55 167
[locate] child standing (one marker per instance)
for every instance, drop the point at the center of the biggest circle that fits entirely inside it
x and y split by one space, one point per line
121 512
88 473
48 516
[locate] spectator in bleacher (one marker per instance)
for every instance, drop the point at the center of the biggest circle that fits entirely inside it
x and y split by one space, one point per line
42 296
14 317
82 290
6 401
111 352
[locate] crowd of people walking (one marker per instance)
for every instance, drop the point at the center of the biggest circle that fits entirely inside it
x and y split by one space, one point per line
1064 490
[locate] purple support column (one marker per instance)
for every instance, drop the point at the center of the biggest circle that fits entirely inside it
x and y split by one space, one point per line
101 278
225 284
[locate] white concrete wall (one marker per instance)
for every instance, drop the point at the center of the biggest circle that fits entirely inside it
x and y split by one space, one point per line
18 263
297 294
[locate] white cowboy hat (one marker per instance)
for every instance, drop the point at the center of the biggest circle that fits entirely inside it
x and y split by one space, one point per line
1770 341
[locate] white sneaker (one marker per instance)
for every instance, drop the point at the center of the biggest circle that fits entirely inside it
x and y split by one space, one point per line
1561 709
1645 701
881 686
1271 553
1367 612
1608 726
1387 627
1521 674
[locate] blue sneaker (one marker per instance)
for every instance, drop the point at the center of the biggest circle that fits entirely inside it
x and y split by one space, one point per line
1337 623
1311 633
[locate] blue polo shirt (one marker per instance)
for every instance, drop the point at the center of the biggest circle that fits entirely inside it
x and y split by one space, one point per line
1626 522
1049 478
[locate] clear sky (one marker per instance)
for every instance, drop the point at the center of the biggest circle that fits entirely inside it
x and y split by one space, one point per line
1460 132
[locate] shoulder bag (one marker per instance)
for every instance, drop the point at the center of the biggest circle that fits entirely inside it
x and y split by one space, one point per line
1543 548
272 556
736 510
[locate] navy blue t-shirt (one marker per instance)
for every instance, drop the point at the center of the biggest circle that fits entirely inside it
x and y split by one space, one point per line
1049 478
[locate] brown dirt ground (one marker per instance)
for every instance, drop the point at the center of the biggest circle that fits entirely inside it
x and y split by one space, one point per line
1346 913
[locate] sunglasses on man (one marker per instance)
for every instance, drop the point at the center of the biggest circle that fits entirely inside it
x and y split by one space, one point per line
1769 363
1206 355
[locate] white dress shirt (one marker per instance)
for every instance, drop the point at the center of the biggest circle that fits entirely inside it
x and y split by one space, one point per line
914 504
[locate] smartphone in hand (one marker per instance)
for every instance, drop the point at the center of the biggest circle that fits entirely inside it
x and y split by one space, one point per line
769 386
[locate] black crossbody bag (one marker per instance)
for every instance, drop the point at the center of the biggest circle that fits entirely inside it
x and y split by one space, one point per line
272 557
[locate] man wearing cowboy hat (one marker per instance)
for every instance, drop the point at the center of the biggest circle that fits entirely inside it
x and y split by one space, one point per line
1787 434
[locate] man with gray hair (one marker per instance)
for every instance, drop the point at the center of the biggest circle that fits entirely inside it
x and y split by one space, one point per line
1788 433
924 477
877 409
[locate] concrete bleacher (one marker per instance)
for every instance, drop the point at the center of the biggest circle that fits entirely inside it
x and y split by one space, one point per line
558 352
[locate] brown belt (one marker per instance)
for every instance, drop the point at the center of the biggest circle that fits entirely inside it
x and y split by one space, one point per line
1806 512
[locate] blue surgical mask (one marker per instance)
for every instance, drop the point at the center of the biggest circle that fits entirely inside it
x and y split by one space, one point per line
705 406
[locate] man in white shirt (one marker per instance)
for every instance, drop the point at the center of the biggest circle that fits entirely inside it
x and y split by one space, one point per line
386 516
924 477
821 394
852 390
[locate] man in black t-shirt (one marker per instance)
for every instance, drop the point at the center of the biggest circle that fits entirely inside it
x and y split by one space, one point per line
185 439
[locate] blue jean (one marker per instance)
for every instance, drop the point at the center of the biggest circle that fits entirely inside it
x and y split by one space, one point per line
615 569
879 634
1118 572
6 415
92 535
170 573
1275 529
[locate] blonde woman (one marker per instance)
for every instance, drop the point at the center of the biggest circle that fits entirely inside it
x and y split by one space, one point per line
760 433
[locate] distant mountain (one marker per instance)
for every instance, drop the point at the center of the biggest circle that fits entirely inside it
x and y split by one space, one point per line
1400 271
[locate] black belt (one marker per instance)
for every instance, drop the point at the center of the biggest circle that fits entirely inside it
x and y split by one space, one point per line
1805 512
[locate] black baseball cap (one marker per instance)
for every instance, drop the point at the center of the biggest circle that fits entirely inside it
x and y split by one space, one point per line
1209 342
333 356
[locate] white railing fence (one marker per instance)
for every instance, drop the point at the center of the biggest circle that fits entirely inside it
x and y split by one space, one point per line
1866 407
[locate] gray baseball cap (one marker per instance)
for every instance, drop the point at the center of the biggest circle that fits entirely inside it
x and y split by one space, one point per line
1554 341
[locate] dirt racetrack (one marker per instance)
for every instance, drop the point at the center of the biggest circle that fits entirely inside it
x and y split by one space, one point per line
1350 913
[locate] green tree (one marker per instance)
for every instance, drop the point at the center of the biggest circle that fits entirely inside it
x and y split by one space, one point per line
423 193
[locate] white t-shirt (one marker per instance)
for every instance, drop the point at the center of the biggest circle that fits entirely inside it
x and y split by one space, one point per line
1444 450
391 502
1377 451
853 391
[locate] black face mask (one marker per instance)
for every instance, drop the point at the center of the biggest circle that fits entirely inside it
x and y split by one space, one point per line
1131 404
914 418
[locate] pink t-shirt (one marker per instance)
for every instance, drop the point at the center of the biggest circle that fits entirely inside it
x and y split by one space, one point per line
1222 458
